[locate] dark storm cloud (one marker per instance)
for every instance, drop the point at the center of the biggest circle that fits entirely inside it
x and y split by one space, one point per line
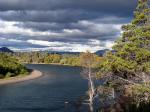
65 21
115 6
44 26
60 16
63 11
54 26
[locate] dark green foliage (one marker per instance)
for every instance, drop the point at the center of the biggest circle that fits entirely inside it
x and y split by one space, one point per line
129 65
10 67
132 54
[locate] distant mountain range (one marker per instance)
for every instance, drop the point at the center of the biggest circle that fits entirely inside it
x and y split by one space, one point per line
5 50
99 53
62 53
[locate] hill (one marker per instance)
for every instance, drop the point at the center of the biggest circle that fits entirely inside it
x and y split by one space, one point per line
5 50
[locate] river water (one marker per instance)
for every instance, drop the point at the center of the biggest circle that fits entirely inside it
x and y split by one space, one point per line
56 91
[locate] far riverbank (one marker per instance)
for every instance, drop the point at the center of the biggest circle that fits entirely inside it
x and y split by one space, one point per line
53 64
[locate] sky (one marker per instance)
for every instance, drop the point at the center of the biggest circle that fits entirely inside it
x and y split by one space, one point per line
63 25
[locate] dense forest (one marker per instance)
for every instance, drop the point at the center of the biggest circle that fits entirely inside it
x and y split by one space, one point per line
10 67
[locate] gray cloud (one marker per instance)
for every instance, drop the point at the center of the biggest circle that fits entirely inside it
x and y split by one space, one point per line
73 22
60 16
114 6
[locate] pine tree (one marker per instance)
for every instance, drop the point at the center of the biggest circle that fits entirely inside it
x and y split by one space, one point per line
129 65
132 51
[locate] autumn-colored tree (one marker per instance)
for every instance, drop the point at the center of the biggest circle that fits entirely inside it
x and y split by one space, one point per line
87 62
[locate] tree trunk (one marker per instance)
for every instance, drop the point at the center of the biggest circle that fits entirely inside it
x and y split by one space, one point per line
113 93
91 91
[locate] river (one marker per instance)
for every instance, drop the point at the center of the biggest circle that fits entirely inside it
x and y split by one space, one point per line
56 91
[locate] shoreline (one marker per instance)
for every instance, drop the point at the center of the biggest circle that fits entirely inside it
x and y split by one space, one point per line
51 64
33 75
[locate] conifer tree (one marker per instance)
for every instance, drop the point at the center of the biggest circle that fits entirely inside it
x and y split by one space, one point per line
129 65
132 51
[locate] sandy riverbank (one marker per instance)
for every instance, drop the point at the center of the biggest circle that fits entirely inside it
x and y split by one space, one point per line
33 75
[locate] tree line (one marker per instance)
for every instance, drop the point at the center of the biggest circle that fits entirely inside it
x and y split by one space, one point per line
48 58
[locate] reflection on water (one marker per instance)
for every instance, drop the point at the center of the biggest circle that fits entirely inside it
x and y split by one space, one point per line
57 91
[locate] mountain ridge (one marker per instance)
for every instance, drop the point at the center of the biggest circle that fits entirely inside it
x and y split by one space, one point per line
6 50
